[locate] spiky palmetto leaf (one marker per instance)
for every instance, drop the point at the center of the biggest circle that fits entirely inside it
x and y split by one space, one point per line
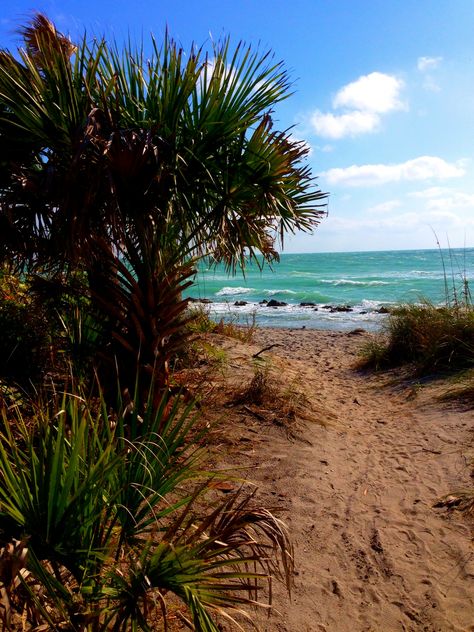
116 513
47 484
217 564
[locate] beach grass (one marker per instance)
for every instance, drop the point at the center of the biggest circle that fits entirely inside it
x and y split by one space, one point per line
431 339
235 327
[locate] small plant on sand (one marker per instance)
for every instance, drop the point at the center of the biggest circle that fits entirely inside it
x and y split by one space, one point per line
234 328
461 387
231 327
432 338
259 389
201 321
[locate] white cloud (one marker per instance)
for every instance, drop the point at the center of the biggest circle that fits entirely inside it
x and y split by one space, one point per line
376 92
403 223
422 168
384 207
365 100
444 199
428 63
341 125
456 201
431 192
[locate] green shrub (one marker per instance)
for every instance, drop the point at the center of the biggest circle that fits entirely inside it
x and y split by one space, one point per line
103 516
24 333
433 339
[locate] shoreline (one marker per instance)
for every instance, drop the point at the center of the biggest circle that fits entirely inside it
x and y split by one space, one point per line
285 315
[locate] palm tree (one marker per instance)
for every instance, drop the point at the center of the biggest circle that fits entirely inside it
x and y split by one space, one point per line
127 168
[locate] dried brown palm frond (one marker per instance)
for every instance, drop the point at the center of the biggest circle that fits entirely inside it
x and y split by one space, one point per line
462 500
42 38
12 571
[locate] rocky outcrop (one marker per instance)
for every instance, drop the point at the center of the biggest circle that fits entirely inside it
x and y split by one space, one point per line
191 299
274 303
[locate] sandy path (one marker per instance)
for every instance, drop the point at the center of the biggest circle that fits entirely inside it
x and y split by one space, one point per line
371 553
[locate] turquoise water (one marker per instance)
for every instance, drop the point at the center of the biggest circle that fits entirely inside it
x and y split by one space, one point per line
364 281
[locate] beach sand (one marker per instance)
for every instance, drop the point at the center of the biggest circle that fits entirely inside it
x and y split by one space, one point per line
354 462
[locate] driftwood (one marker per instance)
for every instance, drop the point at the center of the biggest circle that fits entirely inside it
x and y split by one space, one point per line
255 355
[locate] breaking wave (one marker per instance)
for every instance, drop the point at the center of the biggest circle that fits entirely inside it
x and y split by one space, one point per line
352 282
234 291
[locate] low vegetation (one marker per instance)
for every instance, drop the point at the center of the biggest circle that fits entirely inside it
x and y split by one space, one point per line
431 339
103 517
233 327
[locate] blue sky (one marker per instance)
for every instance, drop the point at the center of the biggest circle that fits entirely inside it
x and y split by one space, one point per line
384 98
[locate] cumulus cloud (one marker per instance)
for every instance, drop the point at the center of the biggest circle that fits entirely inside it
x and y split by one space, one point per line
365 101
340 125
422 168
428 63
445 199
376 92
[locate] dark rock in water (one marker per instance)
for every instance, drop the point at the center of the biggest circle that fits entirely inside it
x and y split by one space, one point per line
327 307
274 303
315 309
307 304
382 310
362 312
190 299
341 308
264 302
240 303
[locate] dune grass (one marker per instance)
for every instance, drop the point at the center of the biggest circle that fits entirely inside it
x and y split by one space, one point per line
233 327
431 339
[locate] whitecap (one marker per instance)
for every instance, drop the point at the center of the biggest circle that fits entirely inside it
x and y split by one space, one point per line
352 282
273 292
234 291
368 304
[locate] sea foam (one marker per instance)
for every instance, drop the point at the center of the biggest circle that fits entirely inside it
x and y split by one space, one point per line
353 282
234 291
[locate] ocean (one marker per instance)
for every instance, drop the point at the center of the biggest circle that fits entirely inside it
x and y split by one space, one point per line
345 289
